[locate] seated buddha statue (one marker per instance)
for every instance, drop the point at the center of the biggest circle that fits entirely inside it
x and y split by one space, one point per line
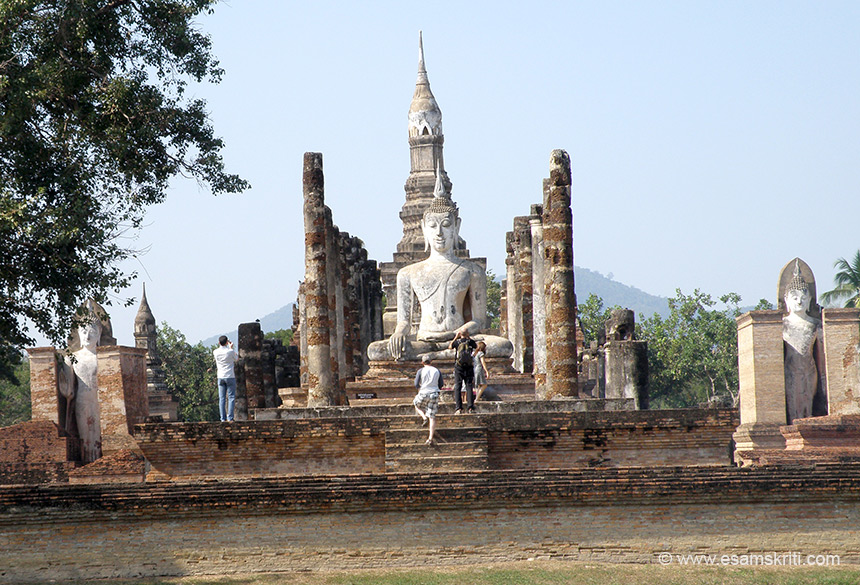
451 291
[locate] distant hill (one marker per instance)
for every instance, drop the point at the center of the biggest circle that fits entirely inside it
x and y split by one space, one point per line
614 293
587 282
280 319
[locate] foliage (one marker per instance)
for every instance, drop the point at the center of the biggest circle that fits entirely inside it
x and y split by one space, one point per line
847 283
190 375
592 317
692 354
494 300
763 305
285 335
94 123
15 394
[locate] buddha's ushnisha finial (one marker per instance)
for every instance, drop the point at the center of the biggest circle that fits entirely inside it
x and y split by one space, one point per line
797 282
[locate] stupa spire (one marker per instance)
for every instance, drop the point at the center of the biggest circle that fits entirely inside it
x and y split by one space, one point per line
425 117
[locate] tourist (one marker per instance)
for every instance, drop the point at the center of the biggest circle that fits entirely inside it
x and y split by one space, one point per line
225 358
428 380
464 374
481 373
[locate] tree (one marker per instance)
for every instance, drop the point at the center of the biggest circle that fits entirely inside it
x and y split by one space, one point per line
189 374
692 353
15 394
592 317
285 335
494 300
93 125
847 283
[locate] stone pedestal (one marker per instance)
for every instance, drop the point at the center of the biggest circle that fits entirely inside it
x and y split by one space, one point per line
762 381
627 371
123 400
841 348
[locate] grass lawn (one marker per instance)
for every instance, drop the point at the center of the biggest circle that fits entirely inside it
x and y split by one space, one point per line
538 573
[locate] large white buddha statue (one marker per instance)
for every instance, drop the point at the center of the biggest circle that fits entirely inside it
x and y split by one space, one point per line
78 383
804 356
451 291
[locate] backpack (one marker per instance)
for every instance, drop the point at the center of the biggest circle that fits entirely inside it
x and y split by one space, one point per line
464 354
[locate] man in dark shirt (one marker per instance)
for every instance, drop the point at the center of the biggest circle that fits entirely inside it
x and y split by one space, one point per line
464 374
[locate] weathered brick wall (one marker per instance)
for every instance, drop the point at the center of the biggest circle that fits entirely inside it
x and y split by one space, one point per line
264 448
34 452
636 438
362 521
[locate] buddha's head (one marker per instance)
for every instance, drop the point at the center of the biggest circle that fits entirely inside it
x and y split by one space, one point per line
441 225
90 332
797 297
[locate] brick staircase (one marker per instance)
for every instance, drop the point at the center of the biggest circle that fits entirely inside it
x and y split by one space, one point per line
460 445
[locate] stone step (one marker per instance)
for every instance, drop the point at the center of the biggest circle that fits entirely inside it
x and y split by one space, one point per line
441 448
446 463
417 436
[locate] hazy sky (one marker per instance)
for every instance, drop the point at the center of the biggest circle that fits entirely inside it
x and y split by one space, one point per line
711 142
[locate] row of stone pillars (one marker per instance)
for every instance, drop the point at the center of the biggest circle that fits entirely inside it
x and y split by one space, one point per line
340 299
538 301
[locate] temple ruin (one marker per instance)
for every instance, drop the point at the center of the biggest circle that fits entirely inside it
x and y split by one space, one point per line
326 465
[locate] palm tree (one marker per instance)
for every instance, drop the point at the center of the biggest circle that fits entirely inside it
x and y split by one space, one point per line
847 283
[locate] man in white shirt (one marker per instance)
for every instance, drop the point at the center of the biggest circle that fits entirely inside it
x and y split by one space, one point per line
428 380
225 358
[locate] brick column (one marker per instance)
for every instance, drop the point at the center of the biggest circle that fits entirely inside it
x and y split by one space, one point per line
251 354
538 298
123 400
559 292
514 305
45 400
321 382
841 346
523 240
761 373
335 313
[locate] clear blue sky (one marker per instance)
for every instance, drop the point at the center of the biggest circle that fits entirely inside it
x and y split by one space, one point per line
711 142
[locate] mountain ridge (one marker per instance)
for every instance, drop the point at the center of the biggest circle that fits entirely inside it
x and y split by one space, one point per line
587 282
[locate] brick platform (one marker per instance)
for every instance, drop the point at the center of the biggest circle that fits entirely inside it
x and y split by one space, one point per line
551 434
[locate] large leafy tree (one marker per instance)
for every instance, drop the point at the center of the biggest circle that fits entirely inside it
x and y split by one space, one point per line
94 123
189 374
693 353
847 283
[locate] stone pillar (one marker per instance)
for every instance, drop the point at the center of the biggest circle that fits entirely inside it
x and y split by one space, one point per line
761 376
251 354
523 242
560 296
346 260
322 390
335 302
842 362
514 302
123 400
538 296
627 371
303 338
503 309
46 403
